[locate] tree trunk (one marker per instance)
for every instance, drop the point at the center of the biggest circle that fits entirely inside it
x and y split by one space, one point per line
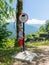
19 11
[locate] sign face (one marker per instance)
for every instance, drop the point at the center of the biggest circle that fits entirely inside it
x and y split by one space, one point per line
23 17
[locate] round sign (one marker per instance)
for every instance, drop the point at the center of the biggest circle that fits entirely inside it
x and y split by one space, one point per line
23 17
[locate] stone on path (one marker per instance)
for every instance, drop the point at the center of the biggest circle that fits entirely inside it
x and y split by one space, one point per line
25 56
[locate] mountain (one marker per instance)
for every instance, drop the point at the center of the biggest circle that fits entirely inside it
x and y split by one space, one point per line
28 28
31 28
12 27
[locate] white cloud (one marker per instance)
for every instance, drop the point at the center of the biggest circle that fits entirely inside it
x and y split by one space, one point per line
29 22
35 21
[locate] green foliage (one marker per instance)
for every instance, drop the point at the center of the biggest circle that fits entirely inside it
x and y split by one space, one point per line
37 43
4 33
29 36
44 28
41 30
1 3
6 11
10 1
6 54
9 43
16 44
47 26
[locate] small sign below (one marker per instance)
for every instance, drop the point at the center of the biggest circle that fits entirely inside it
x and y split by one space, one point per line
23 17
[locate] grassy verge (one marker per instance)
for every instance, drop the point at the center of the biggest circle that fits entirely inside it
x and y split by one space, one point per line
5 55
37 43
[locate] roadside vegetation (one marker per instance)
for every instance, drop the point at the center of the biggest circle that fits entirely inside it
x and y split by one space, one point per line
37 43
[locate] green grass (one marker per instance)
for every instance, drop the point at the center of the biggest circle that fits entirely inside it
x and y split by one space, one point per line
7 49
37 43
5 55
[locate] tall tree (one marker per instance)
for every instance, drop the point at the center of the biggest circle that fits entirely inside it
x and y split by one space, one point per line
6 11
19 11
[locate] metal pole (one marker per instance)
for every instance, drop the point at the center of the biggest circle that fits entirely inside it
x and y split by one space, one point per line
23 36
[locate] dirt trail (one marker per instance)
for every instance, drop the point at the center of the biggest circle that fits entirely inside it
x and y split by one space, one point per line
41 59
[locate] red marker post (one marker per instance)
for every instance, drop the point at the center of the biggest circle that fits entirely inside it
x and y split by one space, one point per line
20 38
23 18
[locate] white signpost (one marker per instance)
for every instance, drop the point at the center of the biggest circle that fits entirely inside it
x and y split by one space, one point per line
23 17
25 55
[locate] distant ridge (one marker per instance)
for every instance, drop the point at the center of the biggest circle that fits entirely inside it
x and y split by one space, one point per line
28 28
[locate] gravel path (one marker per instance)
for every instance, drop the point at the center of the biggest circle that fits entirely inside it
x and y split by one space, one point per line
41 59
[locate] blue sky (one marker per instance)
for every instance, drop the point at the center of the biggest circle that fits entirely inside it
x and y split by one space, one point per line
37 10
